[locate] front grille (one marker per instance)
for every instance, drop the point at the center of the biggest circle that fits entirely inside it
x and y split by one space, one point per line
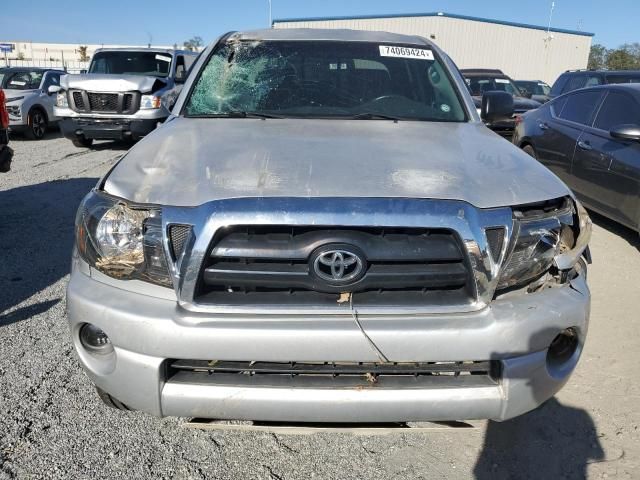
334 374
127 102
275 265
178 235
495 239
334 369
101 102
78 100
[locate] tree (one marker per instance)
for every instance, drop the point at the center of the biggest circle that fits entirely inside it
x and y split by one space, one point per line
624 57
597 57
82 50
193 44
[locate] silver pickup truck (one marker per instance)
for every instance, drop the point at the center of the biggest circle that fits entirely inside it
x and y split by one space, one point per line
124 95
324 230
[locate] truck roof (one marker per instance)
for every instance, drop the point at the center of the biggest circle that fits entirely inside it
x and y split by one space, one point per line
494 72
319 34
146 49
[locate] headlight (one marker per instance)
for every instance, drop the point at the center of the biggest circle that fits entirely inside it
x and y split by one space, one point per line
14 99
120 240
148 102
61 99
14 110
546 240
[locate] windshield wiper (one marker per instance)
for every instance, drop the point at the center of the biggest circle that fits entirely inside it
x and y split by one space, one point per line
236 114
375 116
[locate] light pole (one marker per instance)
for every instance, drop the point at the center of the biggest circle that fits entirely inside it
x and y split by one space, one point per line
270 15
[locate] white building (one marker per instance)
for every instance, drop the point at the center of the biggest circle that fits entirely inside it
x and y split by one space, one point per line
54 55
524 52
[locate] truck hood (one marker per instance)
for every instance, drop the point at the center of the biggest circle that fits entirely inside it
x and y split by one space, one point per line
188 162
112 83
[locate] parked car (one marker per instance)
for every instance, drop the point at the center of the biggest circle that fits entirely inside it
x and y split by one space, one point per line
6 154
29 103
574 79
590 138
481 81
535 89
124 96
326 231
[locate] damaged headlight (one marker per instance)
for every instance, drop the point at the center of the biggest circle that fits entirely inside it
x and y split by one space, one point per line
120 240
149 102
61 99
544 240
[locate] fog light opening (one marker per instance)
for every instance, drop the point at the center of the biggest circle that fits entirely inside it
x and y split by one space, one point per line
563 346
94 340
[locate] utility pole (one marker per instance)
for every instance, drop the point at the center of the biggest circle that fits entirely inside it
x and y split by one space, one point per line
553 5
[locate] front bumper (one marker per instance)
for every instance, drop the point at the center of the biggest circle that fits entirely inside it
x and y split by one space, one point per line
107 129
147 329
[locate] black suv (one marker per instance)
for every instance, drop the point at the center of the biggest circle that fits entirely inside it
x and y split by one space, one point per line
574 79
481 80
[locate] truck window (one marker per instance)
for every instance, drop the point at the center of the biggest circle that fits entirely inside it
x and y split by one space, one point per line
558 86
580 106
156 64
623 78
325 79
618 109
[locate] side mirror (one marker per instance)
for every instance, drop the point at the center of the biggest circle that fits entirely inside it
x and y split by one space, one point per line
181 76
626 132
53 89
496 106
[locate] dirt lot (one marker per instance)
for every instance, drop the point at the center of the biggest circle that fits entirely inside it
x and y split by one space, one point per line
52 424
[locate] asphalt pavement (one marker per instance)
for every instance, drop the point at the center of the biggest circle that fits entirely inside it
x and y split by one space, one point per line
52 424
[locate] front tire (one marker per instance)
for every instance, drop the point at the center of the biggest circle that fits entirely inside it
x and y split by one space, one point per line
36 125
530 151
82 142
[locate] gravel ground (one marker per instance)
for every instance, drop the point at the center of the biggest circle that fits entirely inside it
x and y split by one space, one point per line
52 425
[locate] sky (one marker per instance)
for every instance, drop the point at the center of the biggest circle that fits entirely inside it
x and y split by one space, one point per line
166 22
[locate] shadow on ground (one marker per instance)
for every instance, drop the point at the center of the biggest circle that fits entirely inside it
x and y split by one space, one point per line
36 238
627 234
54 133
554 441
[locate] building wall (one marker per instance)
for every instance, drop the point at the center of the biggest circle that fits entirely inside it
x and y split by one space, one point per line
522 53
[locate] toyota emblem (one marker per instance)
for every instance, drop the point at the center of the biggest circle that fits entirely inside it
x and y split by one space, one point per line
339 266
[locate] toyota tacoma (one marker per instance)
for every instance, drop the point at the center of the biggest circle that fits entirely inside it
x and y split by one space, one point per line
325 230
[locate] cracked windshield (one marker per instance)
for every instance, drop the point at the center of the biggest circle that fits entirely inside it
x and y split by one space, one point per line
325 79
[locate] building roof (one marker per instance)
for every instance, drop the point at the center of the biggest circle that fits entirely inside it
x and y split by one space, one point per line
435 14
31 69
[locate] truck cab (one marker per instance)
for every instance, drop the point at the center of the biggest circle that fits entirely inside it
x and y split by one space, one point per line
124 95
